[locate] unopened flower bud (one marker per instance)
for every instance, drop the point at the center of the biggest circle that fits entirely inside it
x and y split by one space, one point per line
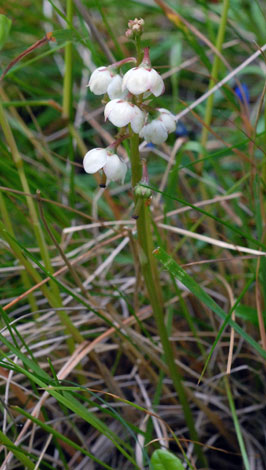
135 26
141 191
129 33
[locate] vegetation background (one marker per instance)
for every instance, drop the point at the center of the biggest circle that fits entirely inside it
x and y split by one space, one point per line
85 381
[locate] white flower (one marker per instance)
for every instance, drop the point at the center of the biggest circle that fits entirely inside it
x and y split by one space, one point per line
100 79
97 159
154 132
168 120
157 130
141 79
121 113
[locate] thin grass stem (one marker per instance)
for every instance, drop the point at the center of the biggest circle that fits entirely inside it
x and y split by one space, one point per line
68 100
236 424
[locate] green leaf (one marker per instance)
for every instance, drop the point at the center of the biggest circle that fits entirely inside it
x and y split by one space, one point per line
162 459
5 25
197 290
58 435
19 453
42 379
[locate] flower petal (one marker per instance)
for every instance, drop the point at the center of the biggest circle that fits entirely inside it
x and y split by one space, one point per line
154 132
115 169
168 120
156 83
119 112
99 80
94 160
135 80
138 120
114 88
142 79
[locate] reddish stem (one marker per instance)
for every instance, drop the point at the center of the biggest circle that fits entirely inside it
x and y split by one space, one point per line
40 42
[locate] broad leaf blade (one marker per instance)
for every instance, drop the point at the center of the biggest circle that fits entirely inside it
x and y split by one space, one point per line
5 25
162 459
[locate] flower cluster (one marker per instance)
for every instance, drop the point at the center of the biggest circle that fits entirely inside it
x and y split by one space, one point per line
135 27
128 105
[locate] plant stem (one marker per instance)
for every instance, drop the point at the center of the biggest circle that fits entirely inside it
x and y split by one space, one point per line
152 282
67 89
264 159
139 50
67 100
236 423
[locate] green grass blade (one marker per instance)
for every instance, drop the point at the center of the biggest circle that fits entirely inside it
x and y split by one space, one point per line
225 323
58 435
17 451
172 266
236 423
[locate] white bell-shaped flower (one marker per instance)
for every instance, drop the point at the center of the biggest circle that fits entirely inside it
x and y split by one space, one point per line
157 130
121 113
99 158
141 79
168 119
154 132
100 79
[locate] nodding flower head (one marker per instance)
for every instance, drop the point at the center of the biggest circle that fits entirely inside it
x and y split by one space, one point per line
114 168
143 78
157 130
121 113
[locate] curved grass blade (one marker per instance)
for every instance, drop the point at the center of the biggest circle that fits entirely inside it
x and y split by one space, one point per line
60 436
226 224
171 265
225 323
5 25
67 399
19 453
